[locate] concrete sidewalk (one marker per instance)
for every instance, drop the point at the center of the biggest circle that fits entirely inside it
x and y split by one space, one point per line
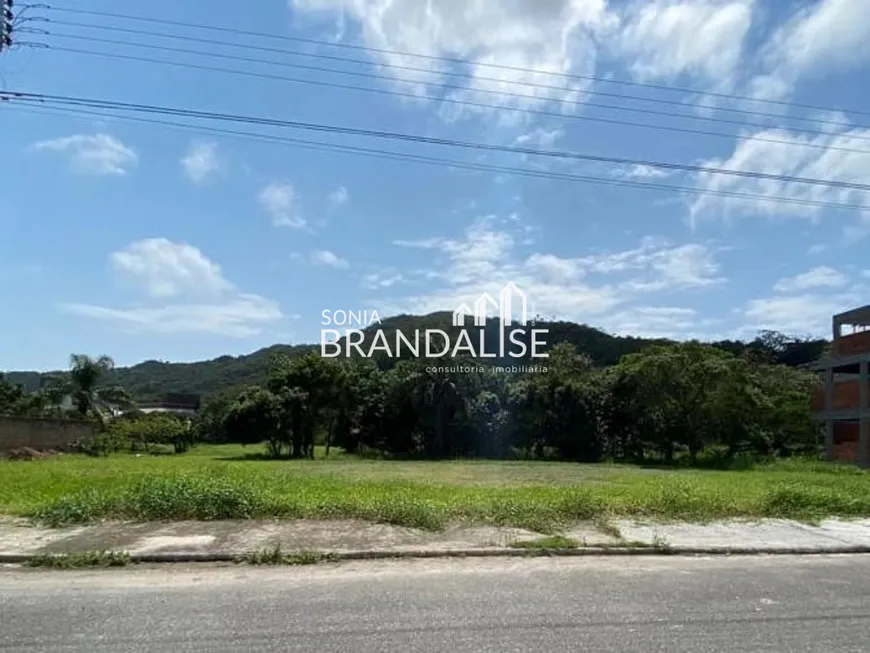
229 540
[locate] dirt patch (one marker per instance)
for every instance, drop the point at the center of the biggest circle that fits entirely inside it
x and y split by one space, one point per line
26 453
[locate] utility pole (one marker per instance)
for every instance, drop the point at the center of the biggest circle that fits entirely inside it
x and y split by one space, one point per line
6 18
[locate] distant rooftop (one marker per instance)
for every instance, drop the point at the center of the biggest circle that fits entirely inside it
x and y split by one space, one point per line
855 317
174 401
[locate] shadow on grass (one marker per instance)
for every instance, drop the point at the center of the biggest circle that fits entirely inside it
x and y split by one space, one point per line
339 454
263 457
709 460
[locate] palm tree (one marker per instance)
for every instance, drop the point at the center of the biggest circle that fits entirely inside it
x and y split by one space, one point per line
85 374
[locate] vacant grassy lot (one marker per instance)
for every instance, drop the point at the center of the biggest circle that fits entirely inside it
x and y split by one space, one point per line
216 482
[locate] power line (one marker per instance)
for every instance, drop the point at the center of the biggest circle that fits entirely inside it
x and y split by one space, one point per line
522 96
387 135
474 166
445 59
450 100
311 55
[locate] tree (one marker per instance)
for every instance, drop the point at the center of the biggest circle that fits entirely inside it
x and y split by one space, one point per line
360 406
53 388
671 393
296 421
490 425
436 401
784 423
15 401
310 388
560 409
208 424
88 398
255 417
141 432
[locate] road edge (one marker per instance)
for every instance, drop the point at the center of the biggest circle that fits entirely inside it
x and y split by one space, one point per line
339 556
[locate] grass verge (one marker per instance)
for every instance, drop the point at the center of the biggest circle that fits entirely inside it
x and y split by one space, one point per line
213 484
432 507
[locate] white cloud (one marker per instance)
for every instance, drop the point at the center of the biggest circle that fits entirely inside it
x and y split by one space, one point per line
243 316
640 171
383 279
532 37
93 154
803 304
280 202
665 39
539 138
203 300
554 268
807 313
820 37
167 269
339 197
596 289
201 161
328 259
819 277
828 161
659 322
657 265
424 243
684 266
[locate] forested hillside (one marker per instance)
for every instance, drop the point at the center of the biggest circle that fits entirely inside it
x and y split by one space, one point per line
227 373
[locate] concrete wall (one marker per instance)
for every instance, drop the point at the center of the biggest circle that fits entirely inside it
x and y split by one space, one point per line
40 434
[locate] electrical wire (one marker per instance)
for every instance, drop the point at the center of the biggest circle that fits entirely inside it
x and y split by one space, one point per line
450 100
392 66
448 163
443 59
397 136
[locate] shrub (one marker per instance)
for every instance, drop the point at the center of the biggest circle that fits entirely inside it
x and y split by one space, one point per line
143 432
102 443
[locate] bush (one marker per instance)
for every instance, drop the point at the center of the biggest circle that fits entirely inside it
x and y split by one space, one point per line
102 443
144 432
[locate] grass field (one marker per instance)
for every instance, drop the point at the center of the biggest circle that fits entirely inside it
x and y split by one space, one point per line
217 482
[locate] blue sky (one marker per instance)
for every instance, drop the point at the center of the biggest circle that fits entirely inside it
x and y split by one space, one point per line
145 241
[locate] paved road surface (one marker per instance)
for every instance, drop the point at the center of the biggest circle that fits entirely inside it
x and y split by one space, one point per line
619 605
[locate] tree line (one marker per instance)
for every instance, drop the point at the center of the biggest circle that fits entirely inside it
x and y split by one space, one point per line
151 379
668 401
665 402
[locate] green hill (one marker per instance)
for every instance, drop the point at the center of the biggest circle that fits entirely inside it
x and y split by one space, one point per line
153 378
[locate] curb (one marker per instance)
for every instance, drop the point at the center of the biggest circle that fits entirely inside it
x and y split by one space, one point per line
339 556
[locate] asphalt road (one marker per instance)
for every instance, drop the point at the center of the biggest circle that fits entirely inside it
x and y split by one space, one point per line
619 605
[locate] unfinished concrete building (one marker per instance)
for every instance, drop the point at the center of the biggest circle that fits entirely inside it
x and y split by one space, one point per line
843 404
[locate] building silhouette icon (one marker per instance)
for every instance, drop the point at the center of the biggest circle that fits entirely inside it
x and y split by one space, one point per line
505 309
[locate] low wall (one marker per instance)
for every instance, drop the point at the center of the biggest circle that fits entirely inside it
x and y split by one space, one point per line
41 434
